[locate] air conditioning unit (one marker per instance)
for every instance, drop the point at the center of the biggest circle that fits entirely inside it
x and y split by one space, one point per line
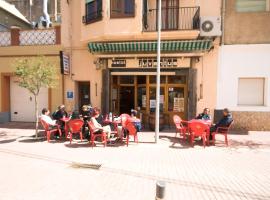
210 26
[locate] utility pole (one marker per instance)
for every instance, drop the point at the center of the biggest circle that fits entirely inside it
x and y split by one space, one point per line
158 74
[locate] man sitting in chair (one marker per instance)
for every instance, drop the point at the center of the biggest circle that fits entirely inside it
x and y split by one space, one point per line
45 117
225 121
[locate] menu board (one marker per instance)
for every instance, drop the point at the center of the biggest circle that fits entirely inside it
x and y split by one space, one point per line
144 101
178 104
152 103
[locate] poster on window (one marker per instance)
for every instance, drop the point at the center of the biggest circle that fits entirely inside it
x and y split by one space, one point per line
178 104
144 101
152 103
161 99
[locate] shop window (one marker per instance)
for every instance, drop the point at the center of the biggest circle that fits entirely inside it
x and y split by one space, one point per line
252 5
152 97
141 97
122 8
93 11
153 79
251 91
114 80
176 100
177 79
141 79
126 79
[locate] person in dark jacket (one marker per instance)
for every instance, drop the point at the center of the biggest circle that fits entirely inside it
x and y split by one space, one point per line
205 115
225 121
60 113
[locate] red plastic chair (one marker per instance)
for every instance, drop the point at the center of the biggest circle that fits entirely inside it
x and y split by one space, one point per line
179 126
96 132
75 126
222 131
50 130
197 128
125 119
131 130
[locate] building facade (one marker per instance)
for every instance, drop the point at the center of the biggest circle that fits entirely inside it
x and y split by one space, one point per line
112 46
16 103
33 9
244 65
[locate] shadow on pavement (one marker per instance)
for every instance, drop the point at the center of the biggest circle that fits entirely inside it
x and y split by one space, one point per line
7 141
19 125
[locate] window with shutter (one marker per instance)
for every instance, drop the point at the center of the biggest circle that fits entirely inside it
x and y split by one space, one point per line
122 8
93 11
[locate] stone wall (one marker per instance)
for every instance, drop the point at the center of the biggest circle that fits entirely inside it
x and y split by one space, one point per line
248 121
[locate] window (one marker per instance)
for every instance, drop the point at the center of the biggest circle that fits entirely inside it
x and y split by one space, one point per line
252 5
251 91
122 8
176 100
93 11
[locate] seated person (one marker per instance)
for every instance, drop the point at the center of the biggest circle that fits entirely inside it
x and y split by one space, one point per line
45 116
225 121
205 115
86 115
106 129
98 116
60 113
136 121
75 115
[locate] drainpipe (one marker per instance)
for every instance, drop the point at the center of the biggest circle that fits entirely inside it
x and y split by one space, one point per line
223 9
45 13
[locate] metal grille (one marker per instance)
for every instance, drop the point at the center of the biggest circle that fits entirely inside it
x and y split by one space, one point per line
38 37
5 39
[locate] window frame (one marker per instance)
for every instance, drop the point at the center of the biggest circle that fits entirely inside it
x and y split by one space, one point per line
267 8
263 92
122 14
98 16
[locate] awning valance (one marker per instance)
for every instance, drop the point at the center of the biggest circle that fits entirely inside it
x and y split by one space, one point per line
88 1
150 46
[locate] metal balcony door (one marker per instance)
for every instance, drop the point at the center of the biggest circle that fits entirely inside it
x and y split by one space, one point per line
170 14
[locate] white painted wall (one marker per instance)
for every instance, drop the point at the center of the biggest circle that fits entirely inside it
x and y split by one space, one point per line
239 61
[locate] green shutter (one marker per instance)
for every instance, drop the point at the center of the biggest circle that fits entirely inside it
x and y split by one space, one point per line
89 1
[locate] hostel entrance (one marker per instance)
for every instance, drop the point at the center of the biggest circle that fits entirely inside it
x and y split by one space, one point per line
139 92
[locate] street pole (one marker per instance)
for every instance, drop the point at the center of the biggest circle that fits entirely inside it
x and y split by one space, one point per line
158 75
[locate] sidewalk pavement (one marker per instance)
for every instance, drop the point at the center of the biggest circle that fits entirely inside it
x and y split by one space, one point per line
35 169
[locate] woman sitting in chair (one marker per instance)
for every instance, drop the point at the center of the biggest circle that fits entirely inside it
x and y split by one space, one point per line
106 129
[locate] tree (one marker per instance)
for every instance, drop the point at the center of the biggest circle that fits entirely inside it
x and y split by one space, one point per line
33 74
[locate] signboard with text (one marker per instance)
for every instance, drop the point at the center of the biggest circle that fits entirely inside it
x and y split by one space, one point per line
65 63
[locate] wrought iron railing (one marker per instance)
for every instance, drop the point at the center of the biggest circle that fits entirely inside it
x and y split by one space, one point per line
5 39
92 17
38 37
173 18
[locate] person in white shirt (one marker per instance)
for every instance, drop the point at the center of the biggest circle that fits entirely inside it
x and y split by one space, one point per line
45 116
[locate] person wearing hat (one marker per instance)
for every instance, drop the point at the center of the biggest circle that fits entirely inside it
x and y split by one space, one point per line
225 121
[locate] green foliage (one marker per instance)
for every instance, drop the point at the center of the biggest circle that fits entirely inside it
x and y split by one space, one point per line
35 72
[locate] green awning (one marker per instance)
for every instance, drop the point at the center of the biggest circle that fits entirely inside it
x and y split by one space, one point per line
88 1
150 46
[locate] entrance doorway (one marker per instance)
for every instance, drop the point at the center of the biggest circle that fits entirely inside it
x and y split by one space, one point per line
126 99
84 93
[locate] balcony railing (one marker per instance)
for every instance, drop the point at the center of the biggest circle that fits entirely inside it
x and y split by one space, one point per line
173 18
17 37
92 17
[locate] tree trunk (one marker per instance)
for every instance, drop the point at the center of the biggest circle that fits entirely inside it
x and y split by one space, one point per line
36 111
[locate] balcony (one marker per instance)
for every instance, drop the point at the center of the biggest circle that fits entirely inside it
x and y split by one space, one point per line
173 19
92 17
35 37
